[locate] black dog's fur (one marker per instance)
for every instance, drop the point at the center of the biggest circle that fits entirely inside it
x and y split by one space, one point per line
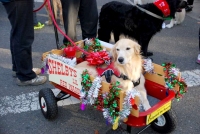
121 18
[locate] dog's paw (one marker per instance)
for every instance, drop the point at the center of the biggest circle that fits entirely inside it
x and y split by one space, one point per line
177 22
146 106
169 26
48 23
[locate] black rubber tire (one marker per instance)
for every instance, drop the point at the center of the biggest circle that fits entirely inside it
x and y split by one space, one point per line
170 124
47 95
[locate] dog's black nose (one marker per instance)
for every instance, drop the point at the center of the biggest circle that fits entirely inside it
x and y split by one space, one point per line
121 59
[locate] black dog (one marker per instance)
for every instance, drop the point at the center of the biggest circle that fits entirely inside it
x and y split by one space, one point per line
121 18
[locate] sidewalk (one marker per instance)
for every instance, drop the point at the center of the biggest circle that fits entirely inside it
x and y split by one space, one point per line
195 13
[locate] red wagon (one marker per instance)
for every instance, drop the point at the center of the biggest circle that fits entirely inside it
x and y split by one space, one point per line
160 116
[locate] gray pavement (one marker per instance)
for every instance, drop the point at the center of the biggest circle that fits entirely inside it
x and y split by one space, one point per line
178 45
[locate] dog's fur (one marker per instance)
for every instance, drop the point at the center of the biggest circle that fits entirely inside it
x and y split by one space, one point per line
179 15
121 18
57 10
179 18
128 61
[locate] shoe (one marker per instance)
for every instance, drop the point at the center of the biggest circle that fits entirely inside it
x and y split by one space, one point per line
198 59
148 54
39 26
36 70
188 8
34 82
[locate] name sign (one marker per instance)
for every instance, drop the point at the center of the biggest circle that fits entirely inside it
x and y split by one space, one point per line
64 75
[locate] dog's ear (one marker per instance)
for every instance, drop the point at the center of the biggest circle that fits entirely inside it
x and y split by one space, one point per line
113 52
137 48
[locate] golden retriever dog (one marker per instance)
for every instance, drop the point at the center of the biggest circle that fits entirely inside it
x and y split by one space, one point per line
128 61
57 10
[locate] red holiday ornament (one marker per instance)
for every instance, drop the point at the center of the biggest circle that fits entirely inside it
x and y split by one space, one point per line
132 101
70 52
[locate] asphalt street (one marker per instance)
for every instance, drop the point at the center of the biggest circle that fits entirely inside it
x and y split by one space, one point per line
178 45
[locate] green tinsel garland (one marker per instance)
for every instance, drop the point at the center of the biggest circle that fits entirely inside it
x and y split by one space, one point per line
171 79
93 43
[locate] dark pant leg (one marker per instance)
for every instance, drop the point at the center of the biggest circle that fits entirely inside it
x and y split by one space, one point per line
20 14
199 39
70 14
190 2
35 21
88 15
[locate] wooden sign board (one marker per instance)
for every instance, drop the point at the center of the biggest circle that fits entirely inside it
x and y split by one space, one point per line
64 75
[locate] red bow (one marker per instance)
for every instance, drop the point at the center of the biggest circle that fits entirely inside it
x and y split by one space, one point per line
98 58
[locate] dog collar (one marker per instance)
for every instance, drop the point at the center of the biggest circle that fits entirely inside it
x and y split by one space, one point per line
124 77
163 6
179 10
108 72
111 70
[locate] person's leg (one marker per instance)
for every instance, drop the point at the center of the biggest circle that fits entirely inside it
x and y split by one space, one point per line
189 7
88 15
199 39
22 36
190 2
35 21
198 57
70 14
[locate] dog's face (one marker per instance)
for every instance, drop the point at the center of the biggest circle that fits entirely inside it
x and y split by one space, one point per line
125 50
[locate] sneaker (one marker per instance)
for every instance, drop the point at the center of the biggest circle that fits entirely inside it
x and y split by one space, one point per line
39 26
198 59
188 8
38 80
36 70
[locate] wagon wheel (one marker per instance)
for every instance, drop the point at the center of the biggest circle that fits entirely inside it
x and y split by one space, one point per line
166 123
48 103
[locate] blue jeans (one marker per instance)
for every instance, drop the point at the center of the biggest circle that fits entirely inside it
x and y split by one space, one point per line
87 12
20 15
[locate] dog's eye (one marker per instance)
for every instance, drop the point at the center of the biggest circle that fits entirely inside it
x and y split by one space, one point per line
128 48
117 49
